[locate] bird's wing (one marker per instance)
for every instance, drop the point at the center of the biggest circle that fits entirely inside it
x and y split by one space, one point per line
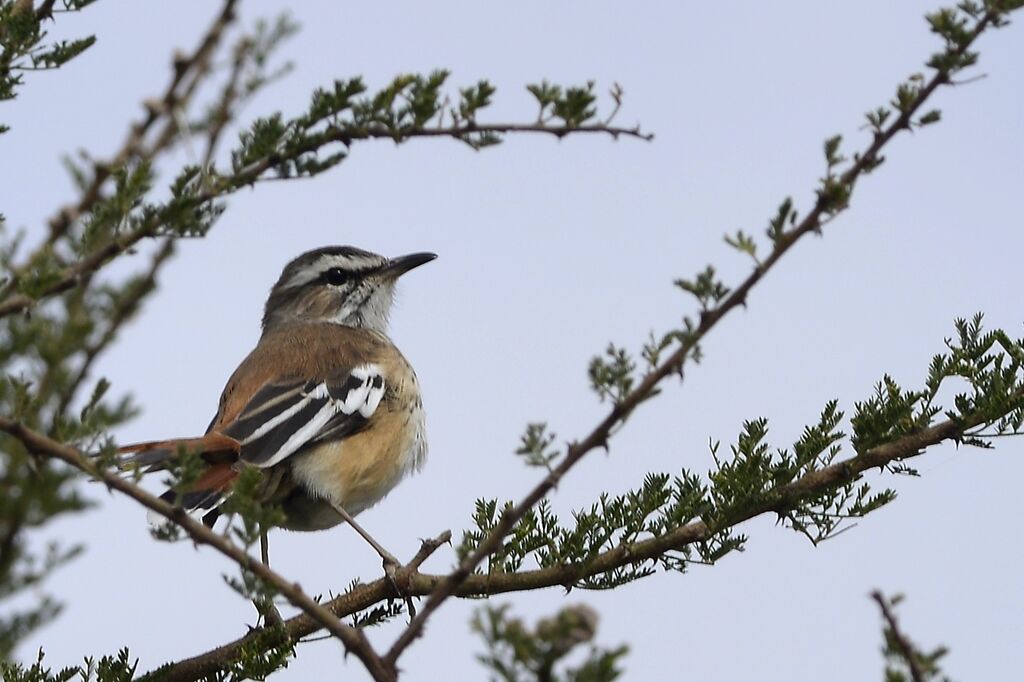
283 418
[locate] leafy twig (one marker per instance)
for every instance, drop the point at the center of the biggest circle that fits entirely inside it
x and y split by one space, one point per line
414 583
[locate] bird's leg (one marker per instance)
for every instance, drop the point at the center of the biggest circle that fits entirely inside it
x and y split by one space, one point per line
264 548
265 606
391 564
389 560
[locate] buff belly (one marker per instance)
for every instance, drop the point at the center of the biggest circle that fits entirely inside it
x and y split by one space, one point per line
354 473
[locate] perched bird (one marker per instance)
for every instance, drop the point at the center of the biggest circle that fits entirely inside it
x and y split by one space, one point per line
325 404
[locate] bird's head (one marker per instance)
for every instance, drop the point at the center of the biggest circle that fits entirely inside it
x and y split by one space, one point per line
338 284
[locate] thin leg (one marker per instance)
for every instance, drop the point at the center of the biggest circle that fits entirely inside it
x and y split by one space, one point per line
391 564
266 607
264 548
388 557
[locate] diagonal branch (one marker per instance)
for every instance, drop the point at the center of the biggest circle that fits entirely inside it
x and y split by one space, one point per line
353 639
598 437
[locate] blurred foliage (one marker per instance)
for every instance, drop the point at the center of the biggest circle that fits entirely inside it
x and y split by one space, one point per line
904 661
119 668
547 651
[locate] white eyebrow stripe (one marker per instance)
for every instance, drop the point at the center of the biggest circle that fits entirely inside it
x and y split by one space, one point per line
334 260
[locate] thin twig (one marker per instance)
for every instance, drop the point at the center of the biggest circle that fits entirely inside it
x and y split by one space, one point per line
222 113
353 639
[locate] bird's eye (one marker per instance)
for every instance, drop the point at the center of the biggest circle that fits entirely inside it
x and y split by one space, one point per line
336 276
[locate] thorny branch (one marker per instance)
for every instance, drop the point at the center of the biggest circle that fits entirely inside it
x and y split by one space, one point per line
414 583
599 436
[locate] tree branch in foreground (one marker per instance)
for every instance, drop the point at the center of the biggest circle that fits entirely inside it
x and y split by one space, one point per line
414 583
833 198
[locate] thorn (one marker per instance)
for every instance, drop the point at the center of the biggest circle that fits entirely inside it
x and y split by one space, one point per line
180 61
154 106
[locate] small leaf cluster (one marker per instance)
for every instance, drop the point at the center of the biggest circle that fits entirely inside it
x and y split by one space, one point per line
535 446
261 656
377 615
572 106
611 375
516 652
249 516
992 366
706 287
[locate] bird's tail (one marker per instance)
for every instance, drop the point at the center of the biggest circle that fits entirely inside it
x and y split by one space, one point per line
203 497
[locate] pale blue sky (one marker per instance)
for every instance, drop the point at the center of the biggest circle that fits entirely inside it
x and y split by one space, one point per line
548 250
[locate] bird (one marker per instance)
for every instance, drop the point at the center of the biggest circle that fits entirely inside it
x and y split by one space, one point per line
325 406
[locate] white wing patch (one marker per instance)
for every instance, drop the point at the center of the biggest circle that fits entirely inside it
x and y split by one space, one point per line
368 395
306 432
318 393
321 411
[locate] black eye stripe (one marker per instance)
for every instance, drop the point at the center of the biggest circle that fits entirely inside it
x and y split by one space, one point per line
337 276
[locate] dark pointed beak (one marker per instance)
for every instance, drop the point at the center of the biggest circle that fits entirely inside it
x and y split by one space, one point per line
397 267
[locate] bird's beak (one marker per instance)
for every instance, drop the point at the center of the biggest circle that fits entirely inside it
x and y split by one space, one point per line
397 267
